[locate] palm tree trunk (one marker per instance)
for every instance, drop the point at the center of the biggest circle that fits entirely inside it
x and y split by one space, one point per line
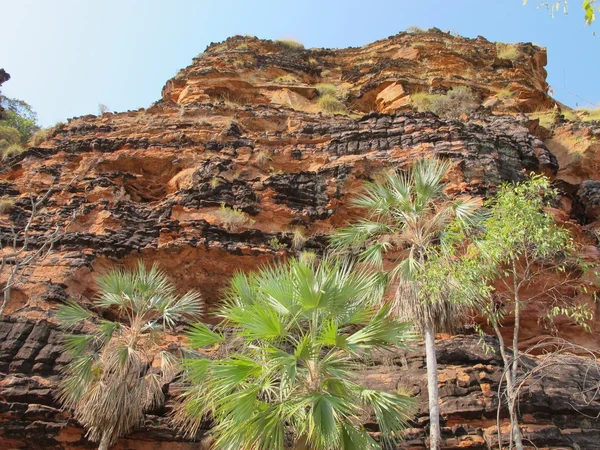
432 389
104 442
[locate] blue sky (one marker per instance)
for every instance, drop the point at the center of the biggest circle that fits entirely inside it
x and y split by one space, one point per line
67 56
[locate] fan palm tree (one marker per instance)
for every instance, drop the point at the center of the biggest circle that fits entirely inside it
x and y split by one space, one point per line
110 382
297 334
406 216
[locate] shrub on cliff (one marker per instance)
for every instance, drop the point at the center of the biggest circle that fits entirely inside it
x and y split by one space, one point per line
292 340
6 205
290 44
331 104
458 101
20 116
40 136
507 51
12 150
111 379
326 89
8 136
232 219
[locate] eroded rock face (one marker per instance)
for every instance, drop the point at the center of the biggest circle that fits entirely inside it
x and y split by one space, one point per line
139 188
4 76
376 77
554 408
232 130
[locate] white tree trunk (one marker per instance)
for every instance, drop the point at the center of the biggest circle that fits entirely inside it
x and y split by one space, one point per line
432 389
104 442
513 393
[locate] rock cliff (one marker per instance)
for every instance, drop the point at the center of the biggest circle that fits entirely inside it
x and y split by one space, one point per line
242 127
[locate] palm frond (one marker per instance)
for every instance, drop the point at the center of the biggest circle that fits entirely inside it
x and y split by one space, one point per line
199 335
383 331
356 235
468 211
71 314
356 438
427 176
188 306
392 411
77 344
293 376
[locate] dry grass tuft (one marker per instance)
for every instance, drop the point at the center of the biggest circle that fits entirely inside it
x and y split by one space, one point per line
507 51
12 151
232 219
290 44
505 94
331 104
286 79
326 89
6 205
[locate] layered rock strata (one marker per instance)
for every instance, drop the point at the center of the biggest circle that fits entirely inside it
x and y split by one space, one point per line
241 128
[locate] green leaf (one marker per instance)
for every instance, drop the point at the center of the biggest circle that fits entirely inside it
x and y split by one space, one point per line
199 335
77 344
71 314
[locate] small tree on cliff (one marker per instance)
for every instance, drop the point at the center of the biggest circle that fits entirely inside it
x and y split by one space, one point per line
298 332
522 249
28 234
406 216
111 379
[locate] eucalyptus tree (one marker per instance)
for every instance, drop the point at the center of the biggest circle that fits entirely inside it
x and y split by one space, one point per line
289 346
111 380
406 214
526 259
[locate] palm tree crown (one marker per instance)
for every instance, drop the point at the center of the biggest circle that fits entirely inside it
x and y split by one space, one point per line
298 332
406 215
109 382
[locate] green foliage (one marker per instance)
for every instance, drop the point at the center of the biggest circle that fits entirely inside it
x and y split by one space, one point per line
11 151
290 44
331 104
276 244
232 218
507 51
108 382
458 101
518 226
8 136
19 115
406 215
300 332
522 242
516 260
546 118
588 6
